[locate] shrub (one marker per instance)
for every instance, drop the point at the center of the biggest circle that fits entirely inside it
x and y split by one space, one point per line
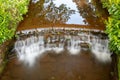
113 27
11 12
113 24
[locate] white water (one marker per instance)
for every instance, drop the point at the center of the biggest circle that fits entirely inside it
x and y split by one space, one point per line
101 51
73 46
28 50
33 47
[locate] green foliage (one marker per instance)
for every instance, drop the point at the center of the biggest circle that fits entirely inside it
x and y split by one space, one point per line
113 24
114 11
114 1
11 12
110 2
113 30
113 27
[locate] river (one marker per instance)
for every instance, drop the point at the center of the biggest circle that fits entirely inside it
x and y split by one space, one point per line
61 40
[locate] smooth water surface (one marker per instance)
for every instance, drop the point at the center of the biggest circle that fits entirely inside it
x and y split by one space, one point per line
64 13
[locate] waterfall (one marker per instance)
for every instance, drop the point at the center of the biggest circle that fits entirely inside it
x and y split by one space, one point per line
73 46
101 51
28 50
32 47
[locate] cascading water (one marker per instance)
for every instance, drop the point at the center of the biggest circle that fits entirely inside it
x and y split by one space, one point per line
73 46
30 48
101 51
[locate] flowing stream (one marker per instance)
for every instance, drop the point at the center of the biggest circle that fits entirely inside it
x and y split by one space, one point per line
61 40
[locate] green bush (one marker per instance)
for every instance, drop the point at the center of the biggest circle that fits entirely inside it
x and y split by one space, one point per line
11 12
113 27
113 24
113 31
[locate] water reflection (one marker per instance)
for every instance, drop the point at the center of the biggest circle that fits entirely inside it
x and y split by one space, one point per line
30 45
90 11
74 18
47 13
73 12
57 14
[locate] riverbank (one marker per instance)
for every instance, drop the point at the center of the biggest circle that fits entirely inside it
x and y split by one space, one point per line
119 66
4 51
113 29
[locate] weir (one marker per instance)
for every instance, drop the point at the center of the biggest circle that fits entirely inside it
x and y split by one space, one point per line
28 48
